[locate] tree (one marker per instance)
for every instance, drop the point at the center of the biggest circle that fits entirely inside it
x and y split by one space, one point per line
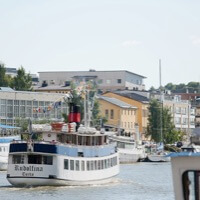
161 115
3 80
22 81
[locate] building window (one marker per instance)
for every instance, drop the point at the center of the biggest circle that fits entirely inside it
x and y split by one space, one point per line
100 81
119 81
111 114
106 113
108 81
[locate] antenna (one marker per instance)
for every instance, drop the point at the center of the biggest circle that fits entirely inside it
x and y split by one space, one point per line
161 130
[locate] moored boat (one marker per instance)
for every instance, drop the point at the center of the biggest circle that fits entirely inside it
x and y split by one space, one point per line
63 157
5 138
130 151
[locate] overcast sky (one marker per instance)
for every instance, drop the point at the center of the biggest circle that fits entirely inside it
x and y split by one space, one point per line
67 35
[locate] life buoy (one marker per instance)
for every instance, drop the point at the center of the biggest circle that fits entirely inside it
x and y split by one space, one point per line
49 135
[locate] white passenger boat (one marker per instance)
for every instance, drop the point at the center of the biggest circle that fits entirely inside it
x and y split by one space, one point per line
130 151
186 175
63 157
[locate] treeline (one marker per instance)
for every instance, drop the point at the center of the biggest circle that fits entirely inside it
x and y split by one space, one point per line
22 81
191 87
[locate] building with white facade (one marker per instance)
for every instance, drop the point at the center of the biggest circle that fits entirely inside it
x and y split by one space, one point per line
182 112
105 80
16 105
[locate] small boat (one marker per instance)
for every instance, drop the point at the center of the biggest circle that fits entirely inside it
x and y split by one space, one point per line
158 154
130 151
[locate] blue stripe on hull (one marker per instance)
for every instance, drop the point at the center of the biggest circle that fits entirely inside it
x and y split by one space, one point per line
65 150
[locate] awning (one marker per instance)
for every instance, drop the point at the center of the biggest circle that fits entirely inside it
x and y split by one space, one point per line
8 127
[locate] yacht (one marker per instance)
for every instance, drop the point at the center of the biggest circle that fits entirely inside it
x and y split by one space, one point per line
130 151
63 156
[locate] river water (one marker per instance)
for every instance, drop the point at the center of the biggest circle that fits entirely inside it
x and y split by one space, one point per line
140 181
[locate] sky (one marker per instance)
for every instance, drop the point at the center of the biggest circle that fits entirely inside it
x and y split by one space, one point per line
74 35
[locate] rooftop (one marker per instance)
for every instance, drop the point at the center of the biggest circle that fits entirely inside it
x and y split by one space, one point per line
93 71
117 102
6 89
133 95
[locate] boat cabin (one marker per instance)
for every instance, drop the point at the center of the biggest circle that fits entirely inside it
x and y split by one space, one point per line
87 138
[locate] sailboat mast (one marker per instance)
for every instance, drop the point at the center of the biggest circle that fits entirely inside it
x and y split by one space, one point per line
161 124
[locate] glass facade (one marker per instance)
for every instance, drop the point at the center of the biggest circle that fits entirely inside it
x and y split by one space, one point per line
12 110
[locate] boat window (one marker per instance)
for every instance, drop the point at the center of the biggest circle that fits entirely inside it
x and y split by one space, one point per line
88 140
77 165
18 159
102 164
105 164
88 165
80 154
95 165
129 146
191 185
120 145
92 165
47 160
34 159
66 164
71 164
99 164
83 165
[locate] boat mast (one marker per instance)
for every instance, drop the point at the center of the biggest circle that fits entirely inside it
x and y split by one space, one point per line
161 102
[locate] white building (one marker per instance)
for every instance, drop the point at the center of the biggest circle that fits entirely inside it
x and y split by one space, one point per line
182 112
106 80
20 104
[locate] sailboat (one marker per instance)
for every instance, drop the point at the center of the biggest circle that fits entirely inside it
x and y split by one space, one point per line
158 154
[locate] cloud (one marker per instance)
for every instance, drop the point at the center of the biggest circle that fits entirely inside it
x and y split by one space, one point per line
195 40
130 43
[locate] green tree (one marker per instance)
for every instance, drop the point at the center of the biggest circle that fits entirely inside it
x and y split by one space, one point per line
3 79
170 86
22 81
159 115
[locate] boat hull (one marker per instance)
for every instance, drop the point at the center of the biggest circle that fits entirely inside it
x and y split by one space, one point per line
34 182
130 156
22 175
158 158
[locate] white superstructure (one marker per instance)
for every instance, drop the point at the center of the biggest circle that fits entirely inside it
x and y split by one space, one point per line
4 150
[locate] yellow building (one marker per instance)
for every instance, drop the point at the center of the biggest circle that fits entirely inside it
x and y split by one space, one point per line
137 100
119 114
